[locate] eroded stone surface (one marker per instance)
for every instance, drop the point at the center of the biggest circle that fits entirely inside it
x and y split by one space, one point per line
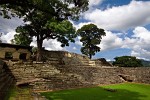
64 70
52 77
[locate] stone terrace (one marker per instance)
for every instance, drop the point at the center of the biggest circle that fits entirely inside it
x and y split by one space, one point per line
65 70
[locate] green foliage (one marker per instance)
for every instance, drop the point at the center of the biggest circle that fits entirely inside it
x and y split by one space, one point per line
124 91
17 92
22 39
60 9
127 61
145 63
34 49
46 19
91 36
63 31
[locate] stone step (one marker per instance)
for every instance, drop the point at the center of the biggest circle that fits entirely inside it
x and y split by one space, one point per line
73 66
24 78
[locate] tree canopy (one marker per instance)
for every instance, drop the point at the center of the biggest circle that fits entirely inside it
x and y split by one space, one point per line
127 61
46 19
60 9
22 39
91 36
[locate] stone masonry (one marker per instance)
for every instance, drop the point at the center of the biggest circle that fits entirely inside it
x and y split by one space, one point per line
65 70
15 51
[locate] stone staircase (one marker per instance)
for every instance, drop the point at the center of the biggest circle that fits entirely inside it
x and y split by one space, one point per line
57 82
46 77
93 75
7 80
66 58
51 74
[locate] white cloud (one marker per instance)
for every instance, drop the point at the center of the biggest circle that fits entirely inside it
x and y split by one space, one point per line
9 25
121 17
77 42
74 48
136 54
34 42
110 41
51 44
139 43
108 60
6 38
78 26
142 33
94 2
116 18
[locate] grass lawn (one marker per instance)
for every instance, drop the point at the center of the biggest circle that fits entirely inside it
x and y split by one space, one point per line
126 91
16 93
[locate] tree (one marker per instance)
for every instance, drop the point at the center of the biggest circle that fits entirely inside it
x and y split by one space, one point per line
22 39
91 36
60 9
127 61
47 19
62 31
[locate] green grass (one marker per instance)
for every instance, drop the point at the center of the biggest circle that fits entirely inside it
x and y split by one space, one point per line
11 94
17 92
126 91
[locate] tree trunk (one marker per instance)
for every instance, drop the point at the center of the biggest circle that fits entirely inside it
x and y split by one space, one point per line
90 56
89 49
39 50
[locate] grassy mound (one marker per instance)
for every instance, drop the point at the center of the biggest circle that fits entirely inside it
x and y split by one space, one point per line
126 91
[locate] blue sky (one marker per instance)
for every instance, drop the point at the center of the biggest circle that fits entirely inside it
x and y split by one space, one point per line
127 26
126 23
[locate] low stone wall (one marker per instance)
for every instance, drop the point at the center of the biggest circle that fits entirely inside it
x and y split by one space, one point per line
102 62
140 75
110 75
6 79
67 58
44 76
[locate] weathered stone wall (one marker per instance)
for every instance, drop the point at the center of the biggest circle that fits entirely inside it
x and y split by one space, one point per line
64 70
6 79
101 62
45 76
111 75
15 52
67 58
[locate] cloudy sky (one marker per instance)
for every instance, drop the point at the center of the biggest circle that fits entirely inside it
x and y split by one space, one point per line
126 23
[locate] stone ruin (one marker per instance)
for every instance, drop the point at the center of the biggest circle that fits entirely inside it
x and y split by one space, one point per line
64 70
14 52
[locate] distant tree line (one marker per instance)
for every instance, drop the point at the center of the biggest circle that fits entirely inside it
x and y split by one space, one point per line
127 61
